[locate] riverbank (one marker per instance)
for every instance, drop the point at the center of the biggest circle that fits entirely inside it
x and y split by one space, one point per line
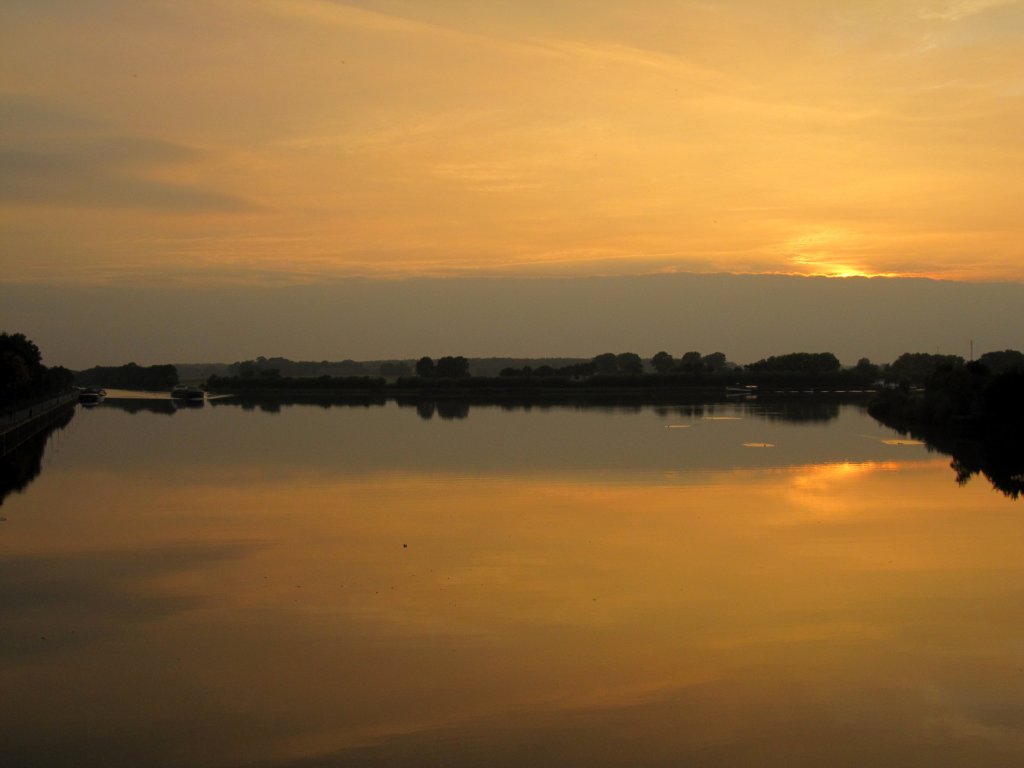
20 423
975 417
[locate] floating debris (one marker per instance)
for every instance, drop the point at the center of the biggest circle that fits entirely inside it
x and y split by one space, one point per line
678 426
759 445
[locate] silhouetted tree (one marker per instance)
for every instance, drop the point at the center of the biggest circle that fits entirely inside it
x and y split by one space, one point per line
917 367
22 373
21 367
130 376
1003 362
715 361
691 361
663 362
797 362
629 363
425 367
452 368
867 370
605 363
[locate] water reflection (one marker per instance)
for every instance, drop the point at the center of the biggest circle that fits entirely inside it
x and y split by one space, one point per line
578 436
163 406
91 595
277 404
996 454
1001 462
359 586
19 467
794 410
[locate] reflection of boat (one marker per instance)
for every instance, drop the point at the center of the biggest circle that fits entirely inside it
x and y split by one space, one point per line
180 402
188 394
92 395
738 389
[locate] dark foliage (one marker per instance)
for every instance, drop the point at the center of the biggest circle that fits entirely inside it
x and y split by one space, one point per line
23 376
969 413
572 371
130 376
915 368
797 362
610 363
605 363
300 369
281 383
663 362
716 361
425 368
629 363
452 368
691 362
394 369
1003 362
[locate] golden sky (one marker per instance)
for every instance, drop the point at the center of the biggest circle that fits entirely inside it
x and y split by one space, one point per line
297 140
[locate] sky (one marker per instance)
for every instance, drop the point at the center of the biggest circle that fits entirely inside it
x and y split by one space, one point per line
193 151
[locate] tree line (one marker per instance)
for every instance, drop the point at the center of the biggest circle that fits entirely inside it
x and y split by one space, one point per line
693 366
972 411
821 370
130 376
910 368
301 369
23 377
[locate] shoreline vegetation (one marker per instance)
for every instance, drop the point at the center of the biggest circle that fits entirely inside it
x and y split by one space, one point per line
970 413
623 372
647 386
973 411
24 380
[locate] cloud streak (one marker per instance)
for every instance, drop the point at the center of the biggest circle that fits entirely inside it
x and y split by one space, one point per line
385 138
45 163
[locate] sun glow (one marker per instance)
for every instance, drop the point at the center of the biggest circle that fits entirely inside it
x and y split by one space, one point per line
666 138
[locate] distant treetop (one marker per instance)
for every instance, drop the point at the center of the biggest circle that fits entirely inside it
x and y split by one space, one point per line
797 362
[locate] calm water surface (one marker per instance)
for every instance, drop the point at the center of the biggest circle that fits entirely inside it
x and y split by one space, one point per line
732 585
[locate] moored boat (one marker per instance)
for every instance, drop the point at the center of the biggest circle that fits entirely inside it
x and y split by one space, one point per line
738 389
191 394
92 395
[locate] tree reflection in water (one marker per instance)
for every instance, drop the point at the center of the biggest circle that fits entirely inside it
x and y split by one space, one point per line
19 467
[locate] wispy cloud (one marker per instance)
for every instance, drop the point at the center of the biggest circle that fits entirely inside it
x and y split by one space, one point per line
52 157
957 10
383 137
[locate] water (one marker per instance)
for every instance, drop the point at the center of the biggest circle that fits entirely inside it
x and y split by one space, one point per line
760 584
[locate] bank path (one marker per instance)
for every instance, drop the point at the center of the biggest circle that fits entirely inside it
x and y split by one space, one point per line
18 424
